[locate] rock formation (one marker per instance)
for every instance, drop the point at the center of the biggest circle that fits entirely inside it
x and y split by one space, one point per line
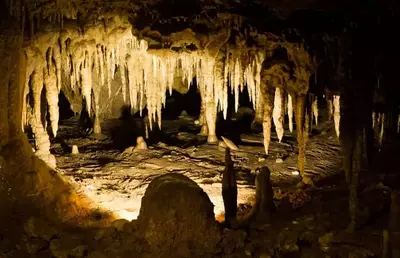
177 217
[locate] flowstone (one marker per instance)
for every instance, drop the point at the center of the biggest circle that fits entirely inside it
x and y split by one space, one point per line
177 217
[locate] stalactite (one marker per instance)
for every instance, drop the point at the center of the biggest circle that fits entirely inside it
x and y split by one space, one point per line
86 79
290 113
50 83
236 82
57 63
145 76
336 114
329 106
373 120
315 110
278 113
267 112
382 127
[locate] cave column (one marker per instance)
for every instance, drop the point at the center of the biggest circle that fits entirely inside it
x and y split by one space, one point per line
329 103
268 105
302 124
96 115
202 118
211 116
42 141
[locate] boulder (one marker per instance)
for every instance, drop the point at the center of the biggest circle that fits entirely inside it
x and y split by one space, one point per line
177 218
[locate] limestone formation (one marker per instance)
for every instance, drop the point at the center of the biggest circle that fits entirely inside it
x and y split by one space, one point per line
278 113
264 205
290 112
229 190
75 150
174 204
336 114
229 143
140 144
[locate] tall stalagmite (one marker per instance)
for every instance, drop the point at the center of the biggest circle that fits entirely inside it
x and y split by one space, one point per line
315 110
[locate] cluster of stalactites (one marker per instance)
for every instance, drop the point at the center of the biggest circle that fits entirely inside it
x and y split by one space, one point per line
238 76
91 60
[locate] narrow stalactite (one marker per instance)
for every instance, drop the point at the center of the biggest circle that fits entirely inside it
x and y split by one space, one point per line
381 127
336 114
290 112
50 83
374 118
315 110
278 113
267 116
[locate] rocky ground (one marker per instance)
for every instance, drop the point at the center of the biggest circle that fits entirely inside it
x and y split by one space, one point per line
118 180
308 223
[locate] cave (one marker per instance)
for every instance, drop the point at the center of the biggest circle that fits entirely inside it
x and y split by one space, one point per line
167 128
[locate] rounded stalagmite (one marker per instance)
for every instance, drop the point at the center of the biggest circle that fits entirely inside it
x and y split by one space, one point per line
177 217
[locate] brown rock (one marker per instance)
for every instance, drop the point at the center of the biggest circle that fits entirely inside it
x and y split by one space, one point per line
175 211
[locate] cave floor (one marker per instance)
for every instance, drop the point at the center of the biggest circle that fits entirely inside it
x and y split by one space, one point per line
309 222
117 180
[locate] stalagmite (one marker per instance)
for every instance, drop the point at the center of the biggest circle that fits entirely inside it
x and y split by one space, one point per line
315 110
229 190
140 144
290 112
336 115
278 113
268 107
